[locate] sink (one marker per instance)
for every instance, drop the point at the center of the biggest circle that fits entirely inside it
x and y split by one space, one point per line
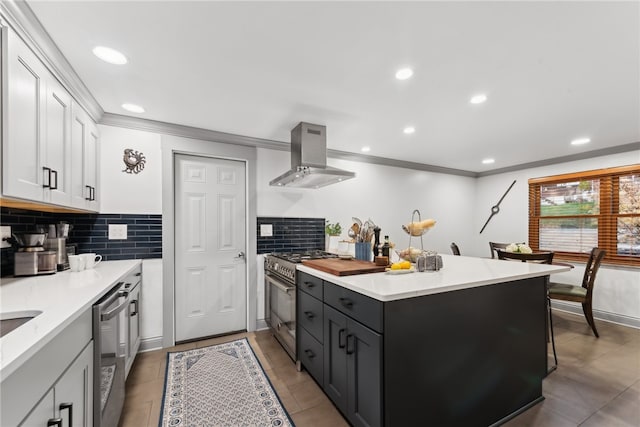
15 319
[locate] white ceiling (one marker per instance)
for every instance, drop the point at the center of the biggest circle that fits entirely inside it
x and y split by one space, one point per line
552 71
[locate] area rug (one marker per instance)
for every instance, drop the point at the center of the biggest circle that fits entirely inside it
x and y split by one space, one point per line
220 385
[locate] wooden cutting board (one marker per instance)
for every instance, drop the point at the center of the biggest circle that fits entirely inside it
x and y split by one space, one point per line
341 267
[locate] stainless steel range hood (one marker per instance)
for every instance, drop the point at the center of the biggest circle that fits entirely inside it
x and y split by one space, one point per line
309 160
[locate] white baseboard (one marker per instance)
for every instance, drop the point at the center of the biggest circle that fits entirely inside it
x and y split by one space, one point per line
148 344
576 308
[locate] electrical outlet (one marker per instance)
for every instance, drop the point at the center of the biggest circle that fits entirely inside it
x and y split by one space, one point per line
117 231
5 231
266 230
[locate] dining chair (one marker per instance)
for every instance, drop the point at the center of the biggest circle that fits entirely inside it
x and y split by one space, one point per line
495 246
583 293
536 257
455 249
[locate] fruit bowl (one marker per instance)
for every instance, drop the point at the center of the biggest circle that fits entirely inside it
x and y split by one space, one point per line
410 254
418 228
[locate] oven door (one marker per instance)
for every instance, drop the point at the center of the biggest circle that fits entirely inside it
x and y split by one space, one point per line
282 312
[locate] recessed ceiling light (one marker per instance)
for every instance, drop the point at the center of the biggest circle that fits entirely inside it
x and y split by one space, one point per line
365 149
133 108
404 73
580 141
478 99
409 130
488 161
109 55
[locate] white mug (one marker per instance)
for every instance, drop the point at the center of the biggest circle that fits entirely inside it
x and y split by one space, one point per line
91 260
76 262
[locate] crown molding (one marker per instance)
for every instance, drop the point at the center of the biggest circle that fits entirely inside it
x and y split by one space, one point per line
564 159
22 20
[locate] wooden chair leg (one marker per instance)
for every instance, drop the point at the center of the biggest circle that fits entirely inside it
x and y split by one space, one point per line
588 314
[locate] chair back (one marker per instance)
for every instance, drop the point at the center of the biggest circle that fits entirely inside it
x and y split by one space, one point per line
455 249
538 257
495 246
593 265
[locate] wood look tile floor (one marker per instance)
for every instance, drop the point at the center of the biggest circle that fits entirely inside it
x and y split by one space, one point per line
597 382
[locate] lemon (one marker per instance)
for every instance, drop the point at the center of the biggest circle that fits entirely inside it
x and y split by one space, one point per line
405 265
396 266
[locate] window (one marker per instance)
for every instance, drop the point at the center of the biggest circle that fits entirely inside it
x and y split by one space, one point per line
570 214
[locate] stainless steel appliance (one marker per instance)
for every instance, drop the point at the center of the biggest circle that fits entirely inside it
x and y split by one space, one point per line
31 258
109 357
309 160
59 246
280 294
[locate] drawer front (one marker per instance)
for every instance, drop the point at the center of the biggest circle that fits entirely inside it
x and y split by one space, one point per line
310 314
310 284
310 353
365 310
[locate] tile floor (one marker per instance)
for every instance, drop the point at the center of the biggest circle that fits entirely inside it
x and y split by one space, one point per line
597 382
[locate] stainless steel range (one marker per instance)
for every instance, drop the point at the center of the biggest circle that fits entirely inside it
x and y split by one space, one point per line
280 294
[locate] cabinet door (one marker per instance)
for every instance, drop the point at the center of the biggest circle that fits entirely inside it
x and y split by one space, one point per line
25 108
58 143
42 413
335 357
74 392
134 326
91 165
79 125
364 375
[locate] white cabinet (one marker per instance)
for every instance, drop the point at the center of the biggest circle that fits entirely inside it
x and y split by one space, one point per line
44 158
58 374
84 163
69 403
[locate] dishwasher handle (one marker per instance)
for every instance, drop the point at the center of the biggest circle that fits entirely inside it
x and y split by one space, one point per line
115 310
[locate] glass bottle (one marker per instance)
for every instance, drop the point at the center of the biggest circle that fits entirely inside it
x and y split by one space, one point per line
386 246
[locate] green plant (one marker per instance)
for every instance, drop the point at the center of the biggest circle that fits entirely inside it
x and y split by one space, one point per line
333 229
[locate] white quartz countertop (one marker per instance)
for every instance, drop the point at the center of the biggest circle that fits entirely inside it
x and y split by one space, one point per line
61 297
459 272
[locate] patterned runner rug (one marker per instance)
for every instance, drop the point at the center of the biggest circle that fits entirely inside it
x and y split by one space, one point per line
220 385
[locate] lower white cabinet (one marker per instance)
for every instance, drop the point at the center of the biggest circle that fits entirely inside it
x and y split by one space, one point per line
69 403
60 373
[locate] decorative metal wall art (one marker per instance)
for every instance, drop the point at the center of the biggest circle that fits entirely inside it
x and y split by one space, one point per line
133 161
496 208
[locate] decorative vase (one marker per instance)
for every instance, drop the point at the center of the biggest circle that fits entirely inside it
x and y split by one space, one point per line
331 243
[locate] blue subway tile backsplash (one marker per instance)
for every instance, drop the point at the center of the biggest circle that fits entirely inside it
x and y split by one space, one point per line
90 233
291 234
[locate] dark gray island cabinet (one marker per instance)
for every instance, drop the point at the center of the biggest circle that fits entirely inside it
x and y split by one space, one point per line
465 354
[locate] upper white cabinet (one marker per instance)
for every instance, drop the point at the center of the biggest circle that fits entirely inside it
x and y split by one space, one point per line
44 159
84 165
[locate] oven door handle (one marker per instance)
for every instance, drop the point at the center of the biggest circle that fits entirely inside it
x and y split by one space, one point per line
279 285
114 311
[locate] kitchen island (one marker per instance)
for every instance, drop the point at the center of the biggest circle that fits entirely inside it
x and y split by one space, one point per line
465 345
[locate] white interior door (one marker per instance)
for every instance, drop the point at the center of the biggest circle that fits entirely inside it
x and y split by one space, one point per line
210 238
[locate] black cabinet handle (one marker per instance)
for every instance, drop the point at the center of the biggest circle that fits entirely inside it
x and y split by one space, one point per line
309 315
55 174
93 193
54 422
346 302
340 338
135 307
309 284
353 344
89 188
48 174
138 274
310 353
68 406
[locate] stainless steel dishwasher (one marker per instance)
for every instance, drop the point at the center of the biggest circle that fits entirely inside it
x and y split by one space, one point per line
109 356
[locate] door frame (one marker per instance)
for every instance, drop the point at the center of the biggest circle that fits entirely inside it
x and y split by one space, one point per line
172 145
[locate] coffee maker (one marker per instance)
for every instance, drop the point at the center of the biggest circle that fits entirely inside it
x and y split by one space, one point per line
57 241
31 258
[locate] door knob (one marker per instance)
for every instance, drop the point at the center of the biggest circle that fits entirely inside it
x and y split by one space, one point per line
240 255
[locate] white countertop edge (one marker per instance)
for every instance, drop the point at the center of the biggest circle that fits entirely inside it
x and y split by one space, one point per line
348 281
19 345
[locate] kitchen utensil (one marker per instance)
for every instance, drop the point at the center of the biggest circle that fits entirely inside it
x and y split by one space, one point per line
340 267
